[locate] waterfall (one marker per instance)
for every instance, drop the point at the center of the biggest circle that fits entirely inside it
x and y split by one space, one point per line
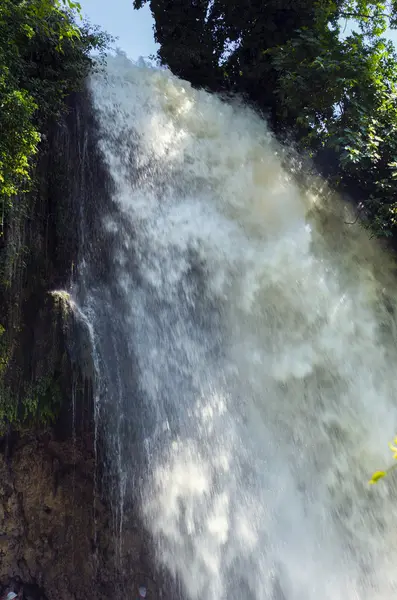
246 345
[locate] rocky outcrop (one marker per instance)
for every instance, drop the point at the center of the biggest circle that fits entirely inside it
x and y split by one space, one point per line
46 516
56 530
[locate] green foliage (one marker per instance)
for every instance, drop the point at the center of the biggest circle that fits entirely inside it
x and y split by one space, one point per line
4 352
336 97
42 401
39 405
46 52
381 474
44 56
342 97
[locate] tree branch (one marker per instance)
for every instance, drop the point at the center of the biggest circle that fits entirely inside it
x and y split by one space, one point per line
364 16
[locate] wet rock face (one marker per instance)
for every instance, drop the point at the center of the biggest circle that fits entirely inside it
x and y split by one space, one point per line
46 517
56 535
57 538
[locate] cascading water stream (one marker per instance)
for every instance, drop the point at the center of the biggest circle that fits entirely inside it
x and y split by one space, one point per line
247 344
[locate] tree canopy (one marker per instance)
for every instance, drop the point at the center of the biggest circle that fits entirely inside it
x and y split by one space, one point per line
44 55
334 93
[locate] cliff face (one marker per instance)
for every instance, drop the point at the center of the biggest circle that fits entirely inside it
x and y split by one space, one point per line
37 252
47 517
57 529
56 533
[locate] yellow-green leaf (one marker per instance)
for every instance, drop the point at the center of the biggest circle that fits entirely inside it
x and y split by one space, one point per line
376 476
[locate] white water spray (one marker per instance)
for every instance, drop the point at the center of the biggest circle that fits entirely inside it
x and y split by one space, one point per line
264 335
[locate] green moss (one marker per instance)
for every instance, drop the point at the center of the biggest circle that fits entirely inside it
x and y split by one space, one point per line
42 402
62 301
4 352
8 410
38 407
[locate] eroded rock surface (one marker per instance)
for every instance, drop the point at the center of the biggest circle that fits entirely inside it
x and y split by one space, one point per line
56 534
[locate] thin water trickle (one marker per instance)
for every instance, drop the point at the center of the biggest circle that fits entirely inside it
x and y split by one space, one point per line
85 320
74 455
247 340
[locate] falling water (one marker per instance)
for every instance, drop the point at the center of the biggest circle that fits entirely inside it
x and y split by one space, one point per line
247 343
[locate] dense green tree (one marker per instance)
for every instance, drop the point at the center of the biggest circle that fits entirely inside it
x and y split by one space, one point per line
341 98
222 44
336 97
44 55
